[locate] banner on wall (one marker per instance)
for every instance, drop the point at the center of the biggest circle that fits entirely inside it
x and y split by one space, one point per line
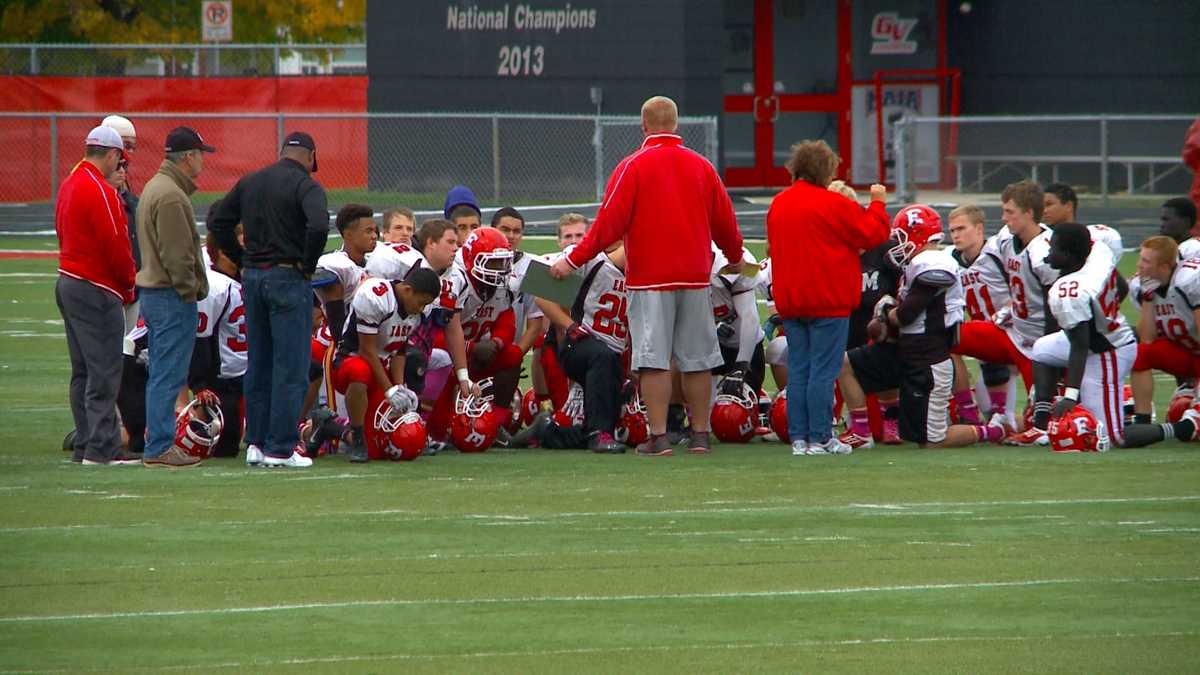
898 100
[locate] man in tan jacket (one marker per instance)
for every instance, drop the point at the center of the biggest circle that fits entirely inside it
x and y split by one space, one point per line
171 280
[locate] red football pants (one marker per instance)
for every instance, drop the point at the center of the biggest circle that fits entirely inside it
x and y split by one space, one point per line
989 343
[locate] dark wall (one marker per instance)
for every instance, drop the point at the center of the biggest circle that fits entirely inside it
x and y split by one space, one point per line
635 49
1116 56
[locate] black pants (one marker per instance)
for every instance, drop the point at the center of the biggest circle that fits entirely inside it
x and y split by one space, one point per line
131 402
758 365
592 364
230 393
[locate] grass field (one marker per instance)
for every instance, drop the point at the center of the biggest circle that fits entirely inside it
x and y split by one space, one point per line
889 560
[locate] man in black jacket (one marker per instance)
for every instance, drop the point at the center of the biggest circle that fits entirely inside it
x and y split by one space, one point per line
285 220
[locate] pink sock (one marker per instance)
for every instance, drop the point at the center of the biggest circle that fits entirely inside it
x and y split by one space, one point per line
968 412
989 433
998 399
859 423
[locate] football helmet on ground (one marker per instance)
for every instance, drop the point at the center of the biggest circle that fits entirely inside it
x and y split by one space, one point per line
1078 430
199 425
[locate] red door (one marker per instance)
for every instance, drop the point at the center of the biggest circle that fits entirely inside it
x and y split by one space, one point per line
797 86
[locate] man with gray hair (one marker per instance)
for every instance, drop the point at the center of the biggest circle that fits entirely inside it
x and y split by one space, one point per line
668 205
171 280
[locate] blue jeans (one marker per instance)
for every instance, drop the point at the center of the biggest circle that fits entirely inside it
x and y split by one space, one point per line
279 306
815 351
171 325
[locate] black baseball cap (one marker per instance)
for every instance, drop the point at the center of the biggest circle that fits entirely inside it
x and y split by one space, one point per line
186 138
299 139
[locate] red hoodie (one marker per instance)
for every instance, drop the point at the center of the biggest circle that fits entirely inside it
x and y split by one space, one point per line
814 237
93 239
667 203
1191 157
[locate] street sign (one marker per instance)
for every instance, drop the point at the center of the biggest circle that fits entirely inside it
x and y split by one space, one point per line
216 20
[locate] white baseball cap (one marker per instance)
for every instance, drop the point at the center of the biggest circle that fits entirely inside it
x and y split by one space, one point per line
121 124
106 137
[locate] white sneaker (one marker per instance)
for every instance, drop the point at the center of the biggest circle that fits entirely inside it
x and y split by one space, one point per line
254 455
834 446
799 448
296 461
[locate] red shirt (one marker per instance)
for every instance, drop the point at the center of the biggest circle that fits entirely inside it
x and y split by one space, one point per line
814 237
93 239
667 203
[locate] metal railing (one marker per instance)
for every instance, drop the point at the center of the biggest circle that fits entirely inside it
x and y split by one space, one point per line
382 159
181 59
983 153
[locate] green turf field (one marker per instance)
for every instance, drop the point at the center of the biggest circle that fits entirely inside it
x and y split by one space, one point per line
889 560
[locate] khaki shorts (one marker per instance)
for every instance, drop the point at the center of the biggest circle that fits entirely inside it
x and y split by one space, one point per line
679 324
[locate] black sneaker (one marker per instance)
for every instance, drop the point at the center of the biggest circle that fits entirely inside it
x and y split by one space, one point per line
69 442
533 432
503 439
698 444
357 452
657 446
324 427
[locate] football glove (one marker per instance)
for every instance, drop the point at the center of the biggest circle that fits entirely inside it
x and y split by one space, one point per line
401 398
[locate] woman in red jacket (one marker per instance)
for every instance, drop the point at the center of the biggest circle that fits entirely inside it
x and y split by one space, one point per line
814 238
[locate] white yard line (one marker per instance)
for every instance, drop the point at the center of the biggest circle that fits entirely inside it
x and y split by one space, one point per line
729 595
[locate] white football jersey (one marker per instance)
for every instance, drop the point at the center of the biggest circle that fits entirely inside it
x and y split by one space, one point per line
985 288
600 307
524 308
1028 277
1085 296
349 275
477 314
1111 238
1174 314
1189 248
375 311
231 325
765 290
933 267
393 262
723 287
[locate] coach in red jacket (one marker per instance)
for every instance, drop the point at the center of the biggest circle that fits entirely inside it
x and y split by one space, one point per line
668 205
814 238
95 281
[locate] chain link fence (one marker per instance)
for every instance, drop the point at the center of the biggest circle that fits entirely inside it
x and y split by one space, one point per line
182 60
1099 155
380 159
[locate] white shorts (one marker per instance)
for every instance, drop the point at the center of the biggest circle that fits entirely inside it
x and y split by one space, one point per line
1103 378
679 323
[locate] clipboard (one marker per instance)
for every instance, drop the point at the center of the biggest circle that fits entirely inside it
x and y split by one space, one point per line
538 282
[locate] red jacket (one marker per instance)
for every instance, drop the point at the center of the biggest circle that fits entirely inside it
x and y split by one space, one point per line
93 238
814 237
1191 157
668 204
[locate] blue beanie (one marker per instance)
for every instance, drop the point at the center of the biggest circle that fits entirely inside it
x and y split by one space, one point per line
460 195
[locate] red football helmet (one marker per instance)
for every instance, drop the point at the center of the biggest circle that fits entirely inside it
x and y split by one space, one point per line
633 428
474 425
1179 405
913 227
733 418
394 435
779 422
529 407
199 425
1078 431
571 412
487 256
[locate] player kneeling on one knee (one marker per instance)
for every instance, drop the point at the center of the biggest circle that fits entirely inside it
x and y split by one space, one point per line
914 334
369 366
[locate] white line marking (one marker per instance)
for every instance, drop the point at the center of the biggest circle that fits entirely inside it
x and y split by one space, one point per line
604 514
729 646
1170 529
942 543
403 602
27 275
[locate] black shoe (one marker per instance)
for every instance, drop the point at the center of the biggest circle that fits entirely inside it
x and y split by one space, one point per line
433 448
503 439
357 452
533 432
324 427
603 442
69 442
656 446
